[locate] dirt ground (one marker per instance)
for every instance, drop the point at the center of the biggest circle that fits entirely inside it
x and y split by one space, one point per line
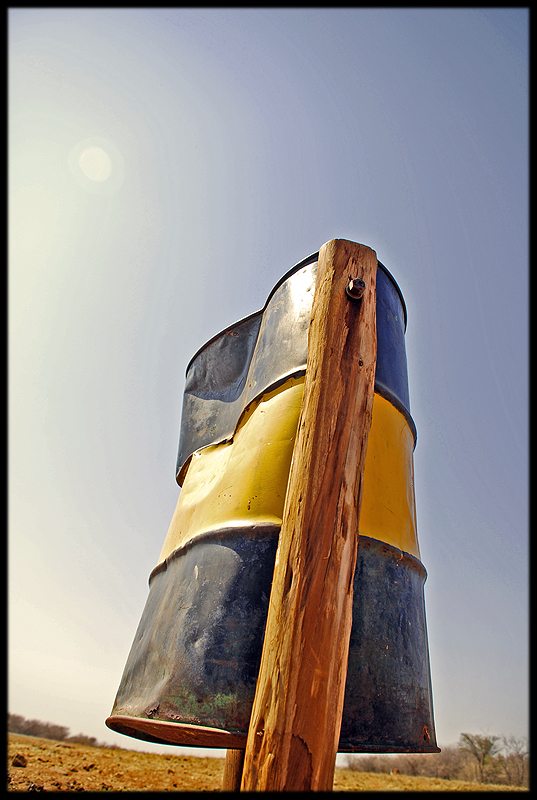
50 766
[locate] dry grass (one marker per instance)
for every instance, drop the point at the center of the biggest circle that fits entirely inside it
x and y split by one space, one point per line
59 766
347 781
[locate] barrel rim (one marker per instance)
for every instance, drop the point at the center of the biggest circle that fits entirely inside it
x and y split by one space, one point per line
304 263
266 531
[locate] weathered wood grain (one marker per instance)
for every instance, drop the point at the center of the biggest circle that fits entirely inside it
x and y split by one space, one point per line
296 717
233 771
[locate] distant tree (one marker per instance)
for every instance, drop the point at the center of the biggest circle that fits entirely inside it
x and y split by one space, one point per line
482 749
81 738
515 760
411 763
15 723
474 758
368 763
35 727
450 764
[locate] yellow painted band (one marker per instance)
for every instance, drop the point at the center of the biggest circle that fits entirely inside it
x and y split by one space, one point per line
388 510
243 482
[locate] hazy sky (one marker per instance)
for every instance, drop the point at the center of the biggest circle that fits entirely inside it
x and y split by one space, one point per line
166 168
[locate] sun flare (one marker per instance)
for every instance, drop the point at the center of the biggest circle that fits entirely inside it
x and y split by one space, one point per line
95 163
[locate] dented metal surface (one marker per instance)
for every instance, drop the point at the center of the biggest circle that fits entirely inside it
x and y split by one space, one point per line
263 350
388 700
196 654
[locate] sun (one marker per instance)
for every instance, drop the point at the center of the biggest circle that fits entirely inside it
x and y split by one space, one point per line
95 163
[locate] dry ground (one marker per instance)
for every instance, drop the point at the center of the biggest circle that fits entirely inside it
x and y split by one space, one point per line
61 766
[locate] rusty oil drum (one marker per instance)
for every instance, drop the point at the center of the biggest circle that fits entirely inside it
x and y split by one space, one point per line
191 673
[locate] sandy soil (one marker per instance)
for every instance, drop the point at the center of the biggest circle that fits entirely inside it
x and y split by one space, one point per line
50 766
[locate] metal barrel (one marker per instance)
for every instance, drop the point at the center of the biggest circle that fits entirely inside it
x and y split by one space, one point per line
191 673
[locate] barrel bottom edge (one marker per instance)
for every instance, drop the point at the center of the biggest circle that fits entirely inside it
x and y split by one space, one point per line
181 734
175 733
345 747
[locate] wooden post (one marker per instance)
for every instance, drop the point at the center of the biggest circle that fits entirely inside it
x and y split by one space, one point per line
296 716
233 771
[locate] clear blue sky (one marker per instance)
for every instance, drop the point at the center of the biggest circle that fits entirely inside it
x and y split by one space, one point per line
221 147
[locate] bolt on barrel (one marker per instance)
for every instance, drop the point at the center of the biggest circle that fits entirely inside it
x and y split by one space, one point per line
355 288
